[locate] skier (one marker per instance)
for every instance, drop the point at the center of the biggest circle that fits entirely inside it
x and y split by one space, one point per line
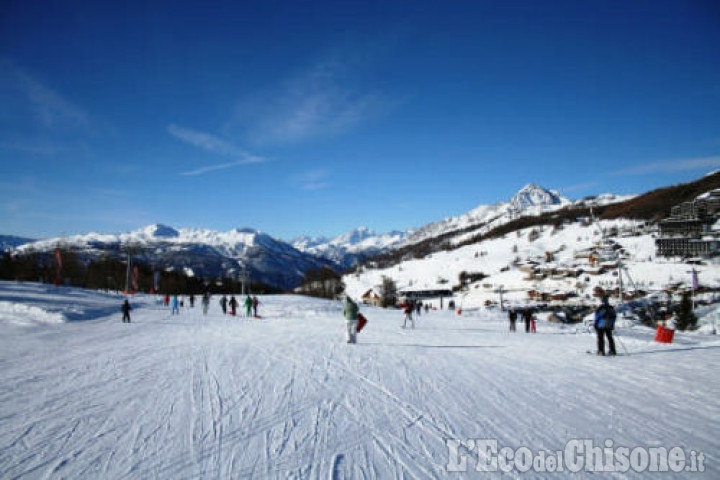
418 308
167 300
408 311
604 324
248 306
255 303
206 303
175 307
126 311
533 324
192 301
223 304
233 305
512 315
350 311
527 318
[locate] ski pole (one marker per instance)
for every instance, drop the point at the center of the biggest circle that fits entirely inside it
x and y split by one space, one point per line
627 352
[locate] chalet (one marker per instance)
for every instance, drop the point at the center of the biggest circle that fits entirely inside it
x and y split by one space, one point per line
559 296
371 298
528 267
609 264
584 253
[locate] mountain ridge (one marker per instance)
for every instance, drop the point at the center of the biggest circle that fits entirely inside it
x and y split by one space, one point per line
210 253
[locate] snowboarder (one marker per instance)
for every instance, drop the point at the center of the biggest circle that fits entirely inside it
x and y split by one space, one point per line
126 311
175 308
248 306
206 303
604 324
512 315
527 318
255 303
233 305
350 312
223 304
408 311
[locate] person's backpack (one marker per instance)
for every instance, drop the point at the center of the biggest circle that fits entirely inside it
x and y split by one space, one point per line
605 318
600 318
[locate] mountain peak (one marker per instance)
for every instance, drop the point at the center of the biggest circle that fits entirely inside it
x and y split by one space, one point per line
532 195
355 236
159 230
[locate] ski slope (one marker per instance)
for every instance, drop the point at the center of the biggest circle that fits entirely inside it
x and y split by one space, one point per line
83 395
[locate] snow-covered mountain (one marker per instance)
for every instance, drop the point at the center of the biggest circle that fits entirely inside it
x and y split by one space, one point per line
530 200
533 195
199 252
352 247
355 246
209 254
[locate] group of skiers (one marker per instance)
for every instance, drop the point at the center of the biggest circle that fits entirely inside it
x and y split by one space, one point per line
251 305
528 317
604 324
604 319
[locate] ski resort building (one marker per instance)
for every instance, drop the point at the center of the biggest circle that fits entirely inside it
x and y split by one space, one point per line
371 297
692 228
415 295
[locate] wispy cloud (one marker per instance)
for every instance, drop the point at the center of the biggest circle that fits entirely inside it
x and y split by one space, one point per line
48 107
213 144
314 180
672 166
323 101
221 166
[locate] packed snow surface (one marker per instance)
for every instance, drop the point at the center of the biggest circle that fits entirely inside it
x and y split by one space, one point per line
83 395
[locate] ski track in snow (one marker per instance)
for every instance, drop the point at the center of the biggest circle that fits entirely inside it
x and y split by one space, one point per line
195 396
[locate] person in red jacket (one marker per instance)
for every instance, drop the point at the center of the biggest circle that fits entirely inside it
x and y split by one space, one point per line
408 311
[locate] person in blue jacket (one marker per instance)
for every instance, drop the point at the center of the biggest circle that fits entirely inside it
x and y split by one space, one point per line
604 325
175 308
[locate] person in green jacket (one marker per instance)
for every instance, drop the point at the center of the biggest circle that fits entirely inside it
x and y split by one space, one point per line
248 306
350 311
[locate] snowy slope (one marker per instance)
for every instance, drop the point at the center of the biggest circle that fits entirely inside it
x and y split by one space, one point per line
497 259
190 396
530 200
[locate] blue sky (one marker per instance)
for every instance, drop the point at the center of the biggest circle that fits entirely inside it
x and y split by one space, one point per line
315 117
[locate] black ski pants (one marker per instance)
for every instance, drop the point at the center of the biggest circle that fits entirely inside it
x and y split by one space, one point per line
601 334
